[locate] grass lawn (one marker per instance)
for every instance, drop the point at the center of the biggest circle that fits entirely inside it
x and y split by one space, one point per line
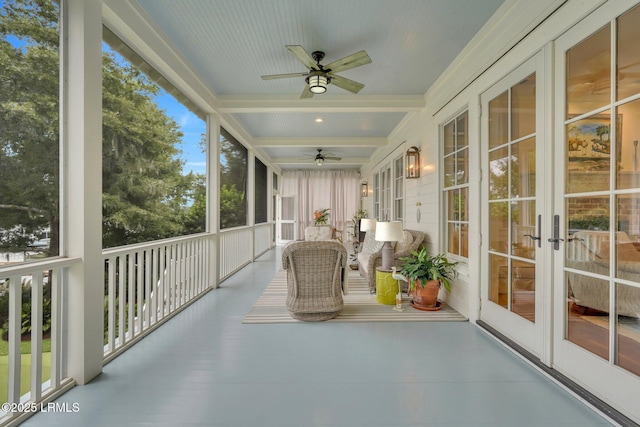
25 371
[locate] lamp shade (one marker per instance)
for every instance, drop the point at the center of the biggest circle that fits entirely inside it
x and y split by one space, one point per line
368 224
389 231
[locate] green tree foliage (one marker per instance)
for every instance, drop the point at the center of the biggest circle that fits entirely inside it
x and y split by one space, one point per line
233 181
145 195
29 123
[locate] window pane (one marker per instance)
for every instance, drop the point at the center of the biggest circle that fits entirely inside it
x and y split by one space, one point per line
499 120
462 134
452 211
628 170
523 168
588 154
523 108
628 67
453 232
29 133
449 138
463 204
449 172
462 166
261 192
464 240
589 73
499 174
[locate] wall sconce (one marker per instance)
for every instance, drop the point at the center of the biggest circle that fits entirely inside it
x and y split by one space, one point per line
413 163
364 189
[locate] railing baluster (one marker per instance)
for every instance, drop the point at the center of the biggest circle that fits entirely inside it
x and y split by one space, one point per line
147 289
56 323
36 336
140 288
111 304
131 296
122 276
15 361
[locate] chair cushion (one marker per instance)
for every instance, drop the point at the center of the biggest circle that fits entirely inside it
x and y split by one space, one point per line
405 243
318 233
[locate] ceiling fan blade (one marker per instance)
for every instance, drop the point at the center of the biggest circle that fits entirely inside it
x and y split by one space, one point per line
306 93
354 60
283 76
346 84
302 55
332 158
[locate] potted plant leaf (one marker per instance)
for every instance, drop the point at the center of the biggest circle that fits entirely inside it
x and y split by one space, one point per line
426 273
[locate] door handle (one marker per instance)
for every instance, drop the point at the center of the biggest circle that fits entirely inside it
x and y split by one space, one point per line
556 233
538 238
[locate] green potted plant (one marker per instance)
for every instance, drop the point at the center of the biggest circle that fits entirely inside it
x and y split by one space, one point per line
426 273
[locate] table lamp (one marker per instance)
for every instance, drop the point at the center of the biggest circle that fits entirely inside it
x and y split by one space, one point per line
388 232
368 224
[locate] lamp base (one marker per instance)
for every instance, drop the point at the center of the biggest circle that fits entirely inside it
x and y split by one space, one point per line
387 256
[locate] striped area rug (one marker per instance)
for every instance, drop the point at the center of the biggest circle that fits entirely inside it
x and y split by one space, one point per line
359 306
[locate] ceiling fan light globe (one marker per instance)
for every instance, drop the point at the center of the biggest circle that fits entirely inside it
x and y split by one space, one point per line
319 162
318 84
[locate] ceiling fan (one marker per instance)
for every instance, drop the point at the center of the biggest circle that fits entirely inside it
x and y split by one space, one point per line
319 76
320 158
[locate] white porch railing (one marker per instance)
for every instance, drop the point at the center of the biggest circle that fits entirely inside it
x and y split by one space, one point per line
42 311
235 250
148 283
262 239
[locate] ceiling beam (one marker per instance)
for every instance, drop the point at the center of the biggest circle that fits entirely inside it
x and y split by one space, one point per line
322 103
320 142
346 161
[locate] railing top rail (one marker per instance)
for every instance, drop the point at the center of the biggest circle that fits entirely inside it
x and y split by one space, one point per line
155 243
29 267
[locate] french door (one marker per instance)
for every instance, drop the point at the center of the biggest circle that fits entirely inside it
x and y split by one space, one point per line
513 169
286 219
596 337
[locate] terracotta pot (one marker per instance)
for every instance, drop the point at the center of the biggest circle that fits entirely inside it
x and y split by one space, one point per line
426 297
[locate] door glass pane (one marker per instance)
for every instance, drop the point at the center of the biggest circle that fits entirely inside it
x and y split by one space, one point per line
628 238
449 138
499 280
589 73
628 298
588 154
523 296
523 168
628 63
499 120
499 174
523 108
587 245
523 225
628 170
499 227
588 322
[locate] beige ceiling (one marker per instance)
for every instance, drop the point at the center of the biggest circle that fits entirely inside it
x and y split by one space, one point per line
231 43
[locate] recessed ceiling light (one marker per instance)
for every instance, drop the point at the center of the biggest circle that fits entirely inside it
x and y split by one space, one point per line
319 120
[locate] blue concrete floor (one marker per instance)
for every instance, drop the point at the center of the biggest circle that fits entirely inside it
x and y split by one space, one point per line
206 368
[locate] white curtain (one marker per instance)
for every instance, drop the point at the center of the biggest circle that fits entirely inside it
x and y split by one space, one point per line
315 190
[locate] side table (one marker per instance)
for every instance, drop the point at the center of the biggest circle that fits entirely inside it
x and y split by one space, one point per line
386 287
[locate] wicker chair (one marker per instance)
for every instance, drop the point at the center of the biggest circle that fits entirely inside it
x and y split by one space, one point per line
315 272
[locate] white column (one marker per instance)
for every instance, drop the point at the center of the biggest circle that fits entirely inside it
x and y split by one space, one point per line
81 171
251 199
213 196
